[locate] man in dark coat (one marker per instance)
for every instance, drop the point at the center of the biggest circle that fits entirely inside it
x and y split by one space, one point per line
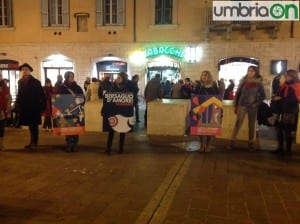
31 101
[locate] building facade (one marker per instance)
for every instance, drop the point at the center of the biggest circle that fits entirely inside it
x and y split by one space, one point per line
176 38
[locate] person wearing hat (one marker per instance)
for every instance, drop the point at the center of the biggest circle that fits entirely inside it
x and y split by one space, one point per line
31 101
69 86
288 98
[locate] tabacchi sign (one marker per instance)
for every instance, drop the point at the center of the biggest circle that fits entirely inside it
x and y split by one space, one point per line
255 10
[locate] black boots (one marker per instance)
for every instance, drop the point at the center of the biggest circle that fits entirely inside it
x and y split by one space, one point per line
110 140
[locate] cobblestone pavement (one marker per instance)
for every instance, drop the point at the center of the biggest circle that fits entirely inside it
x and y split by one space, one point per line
154 181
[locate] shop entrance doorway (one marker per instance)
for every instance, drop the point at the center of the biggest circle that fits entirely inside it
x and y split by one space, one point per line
167 68
55 65
235 68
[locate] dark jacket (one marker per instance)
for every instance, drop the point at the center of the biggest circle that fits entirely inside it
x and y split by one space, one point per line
31 100
211 89
64 88
154 90
104 86
289 101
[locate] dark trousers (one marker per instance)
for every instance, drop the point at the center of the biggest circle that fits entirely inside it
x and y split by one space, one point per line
284 135
34 133
72 140
110 140
47 122
136 110
2 127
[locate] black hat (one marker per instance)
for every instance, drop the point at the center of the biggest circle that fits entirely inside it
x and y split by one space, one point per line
25 65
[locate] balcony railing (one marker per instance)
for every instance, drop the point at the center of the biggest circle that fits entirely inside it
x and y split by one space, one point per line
230 26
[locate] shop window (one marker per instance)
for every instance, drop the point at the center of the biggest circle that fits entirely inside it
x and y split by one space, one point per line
278 67
6 13
235 69
110 12
55 65
55 13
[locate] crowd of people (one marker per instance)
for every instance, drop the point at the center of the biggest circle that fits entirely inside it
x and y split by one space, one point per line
34 100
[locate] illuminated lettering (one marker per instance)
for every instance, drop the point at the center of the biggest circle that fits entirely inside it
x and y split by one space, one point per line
164 50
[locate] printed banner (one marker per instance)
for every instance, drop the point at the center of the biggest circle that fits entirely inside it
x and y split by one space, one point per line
68 114
206 115
117 112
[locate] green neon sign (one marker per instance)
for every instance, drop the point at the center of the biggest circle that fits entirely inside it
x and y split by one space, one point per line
164 50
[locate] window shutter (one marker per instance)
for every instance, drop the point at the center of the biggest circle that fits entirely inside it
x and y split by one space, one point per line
45 18
65 12
9 13
121 12
99 12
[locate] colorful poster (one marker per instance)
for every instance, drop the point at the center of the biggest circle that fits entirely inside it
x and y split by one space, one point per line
68 114
206 115
117 111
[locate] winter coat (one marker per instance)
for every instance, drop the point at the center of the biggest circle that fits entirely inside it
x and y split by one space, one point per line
73 86
176 91
289 101
250 93
5 101
208 89
104 86
31 100
48 90
154 90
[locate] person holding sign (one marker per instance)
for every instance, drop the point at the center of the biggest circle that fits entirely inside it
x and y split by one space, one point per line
69 86
117 110
208 87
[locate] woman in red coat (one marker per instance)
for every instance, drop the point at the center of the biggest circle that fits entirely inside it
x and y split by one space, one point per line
5 101
48 90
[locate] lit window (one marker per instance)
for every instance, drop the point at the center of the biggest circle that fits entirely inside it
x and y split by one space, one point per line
163 11
110 12
5 13
55 13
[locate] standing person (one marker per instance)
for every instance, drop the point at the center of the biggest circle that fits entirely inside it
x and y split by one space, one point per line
228 94
135 80
48 90
249 95
154 90
5 102
86 84
187 88
31 101
288 97
206 87
58 83
176 90
104 86
121 84
167 89
69 86
221 86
